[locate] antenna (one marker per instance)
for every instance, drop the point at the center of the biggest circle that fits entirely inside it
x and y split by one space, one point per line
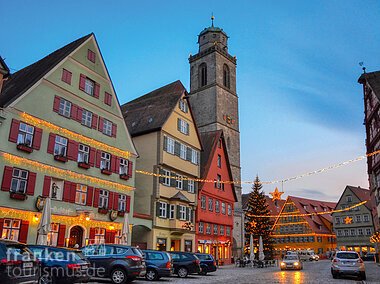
212 19
361 64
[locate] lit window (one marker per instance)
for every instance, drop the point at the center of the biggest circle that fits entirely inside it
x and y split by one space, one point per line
89 86
83 153
19 180
103 198
122 203
87 118
53 234
64 108
107 127
105 161
60 146
81 194
100 235
11 229
25 135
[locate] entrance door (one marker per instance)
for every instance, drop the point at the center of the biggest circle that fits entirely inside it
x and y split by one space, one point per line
76 236
175 245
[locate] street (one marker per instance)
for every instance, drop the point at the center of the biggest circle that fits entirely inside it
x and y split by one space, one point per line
313 272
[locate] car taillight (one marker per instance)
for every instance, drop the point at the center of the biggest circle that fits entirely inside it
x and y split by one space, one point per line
196 261
169 264
134 257
73 266
214 263
5 261
335 260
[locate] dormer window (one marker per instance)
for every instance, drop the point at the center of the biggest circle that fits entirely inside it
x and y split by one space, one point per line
349 198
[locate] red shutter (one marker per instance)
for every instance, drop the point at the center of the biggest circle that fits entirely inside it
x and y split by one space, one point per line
23 235
61 235
56 103
96 90
96 197
94 121
82 82
74 111
113 164
110 200
7 178
72 151
73 192
31 183
130 168
101 122
37 138
110 236
68 77
79 114
46 188
114 128
107 98
13 133
1 225
128 207
90 191
116 201
117 165
98 157
51 143
91 159
91 237
66 191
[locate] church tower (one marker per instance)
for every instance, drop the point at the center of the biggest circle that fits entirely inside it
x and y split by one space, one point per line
214 102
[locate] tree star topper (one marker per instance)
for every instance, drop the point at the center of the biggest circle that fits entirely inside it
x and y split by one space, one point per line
348 220
276 195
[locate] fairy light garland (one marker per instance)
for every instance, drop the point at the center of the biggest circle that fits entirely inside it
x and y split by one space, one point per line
61 173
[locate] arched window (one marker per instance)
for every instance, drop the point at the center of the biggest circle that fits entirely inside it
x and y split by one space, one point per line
202 74
226 76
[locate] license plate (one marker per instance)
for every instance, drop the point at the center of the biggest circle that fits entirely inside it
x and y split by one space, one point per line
289 265
84 266
27 264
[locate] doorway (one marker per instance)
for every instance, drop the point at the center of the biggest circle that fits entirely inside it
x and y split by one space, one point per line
175 245
76 236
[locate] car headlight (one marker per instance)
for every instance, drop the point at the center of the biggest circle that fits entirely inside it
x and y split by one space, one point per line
282 263
296 264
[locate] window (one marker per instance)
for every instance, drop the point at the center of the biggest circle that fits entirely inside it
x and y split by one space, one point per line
210 204
87 118
122 203
183 105
208 229
200 227
358 218
228 231
203 202
52 237
217 208
166 178
218 181
194 156
100 235
349 198
337 220
203 74
83 153
105 161
353 232
368 231
91 55
89 86
107 127
219 162
179 182
190 186
216 230
163 209
360 232
56 189
107 98
223 208
19 180
182 152
81 194
123 170
170 145
346 232
60 146
64 108
183 126
182 212
11 229
66 76
172 208
366 217
103 198
226 76
229 210
221 231
25 134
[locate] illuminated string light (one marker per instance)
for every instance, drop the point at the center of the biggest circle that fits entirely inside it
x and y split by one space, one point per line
61 173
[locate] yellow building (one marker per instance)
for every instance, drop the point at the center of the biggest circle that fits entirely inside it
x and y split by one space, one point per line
164 133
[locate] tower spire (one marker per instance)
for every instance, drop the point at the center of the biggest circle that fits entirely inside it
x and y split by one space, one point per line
212 19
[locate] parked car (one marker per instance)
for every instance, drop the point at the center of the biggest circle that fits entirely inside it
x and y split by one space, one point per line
61 265
347 263
158 264
17 264
120 263
291 261
369 257
207 263
307 255
185 263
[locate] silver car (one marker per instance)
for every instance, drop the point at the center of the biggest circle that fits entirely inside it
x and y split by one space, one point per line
291 261
348 263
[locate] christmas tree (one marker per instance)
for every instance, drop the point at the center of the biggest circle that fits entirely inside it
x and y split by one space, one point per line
255 225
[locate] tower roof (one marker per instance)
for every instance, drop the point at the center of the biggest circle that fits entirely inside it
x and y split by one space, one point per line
212 29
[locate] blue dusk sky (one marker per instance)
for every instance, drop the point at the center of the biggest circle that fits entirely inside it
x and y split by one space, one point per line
301 107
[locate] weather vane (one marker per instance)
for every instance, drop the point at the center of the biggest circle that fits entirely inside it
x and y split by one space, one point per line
212 19
361 64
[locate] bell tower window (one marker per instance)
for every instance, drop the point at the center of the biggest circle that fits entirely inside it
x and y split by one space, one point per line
203 74
226 76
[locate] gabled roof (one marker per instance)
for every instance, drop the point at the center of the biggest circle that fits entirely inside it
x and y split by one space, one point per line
180 196
362 194
149 112
4 68
22 80
373 79
210 141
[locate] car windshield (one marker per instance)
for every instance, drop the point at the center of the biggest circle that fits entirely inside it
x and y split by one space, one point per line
347 255
291 257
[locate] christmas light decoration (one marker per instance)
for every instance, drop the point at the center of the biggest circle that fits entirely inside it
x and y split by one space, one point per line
348 220
375 238
61 173
276 195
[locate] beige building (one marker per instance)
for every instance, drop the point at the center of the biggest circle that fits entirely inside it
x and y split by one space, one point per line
164 133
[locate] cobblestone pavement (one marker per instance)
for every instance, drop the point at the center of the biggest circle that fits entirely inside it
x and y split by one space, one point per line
313 272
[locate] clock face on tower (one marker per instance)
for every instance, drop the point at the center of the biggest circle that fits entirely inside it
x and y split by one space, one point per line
229 119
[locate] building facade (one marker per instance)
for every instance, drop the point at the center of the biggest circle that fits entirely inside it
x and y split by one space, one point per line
354 228
163 129
294 231
63 136
214 100
215 206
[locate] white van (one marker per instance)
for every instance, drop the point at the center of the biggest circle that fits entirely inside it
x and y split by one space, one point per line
307 254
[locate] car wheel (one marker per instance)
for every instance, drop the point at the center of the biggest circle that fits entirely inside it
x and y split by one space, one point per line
182 272
363 276
118 276
151 275
45 279
203 272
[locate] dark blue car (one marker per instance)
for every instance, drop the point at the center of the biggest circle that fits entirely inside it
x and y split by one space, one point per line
158 264
208 263
61 265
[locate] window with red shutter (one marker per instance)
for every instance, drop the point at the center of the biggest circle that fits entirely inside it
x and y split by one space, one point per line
51 143
130 168
128 207
91 159
116 201
31 183
114 129
37 138
72 151
98 158
90 192
66 76
94 121
23 235
91 55
66 191
107 98
61 235
110 200
13 133
96 90
91 237
73 192
79 114
74 112
96 197
7 178
82 82
57 101
46 187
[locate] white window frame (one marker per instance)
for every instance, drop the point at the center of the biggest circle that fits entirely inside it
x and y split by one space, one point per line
64 107
210 204
352 232
81 194
216 229
100 235
163 209
218 183
105 161
360 232
11 229
123 167
166 178
194 156
103 198
191 186
221 231
203 202
184 126
358 218
368 231
170 145
172 211
107 127
182 213
229 209
219 161
228 231
87 118
223 208
200 227
189 213
183 106
83 153
19 180
366 217
217 206
208 229
60 146
25 134
89 86
183 151
179 182
122 203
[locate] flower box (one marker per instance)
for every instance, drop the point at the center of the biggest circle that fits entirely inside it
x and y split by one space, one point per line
25 148
60 158
124 176
106 172
19 196
102 210
120 213
84 165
